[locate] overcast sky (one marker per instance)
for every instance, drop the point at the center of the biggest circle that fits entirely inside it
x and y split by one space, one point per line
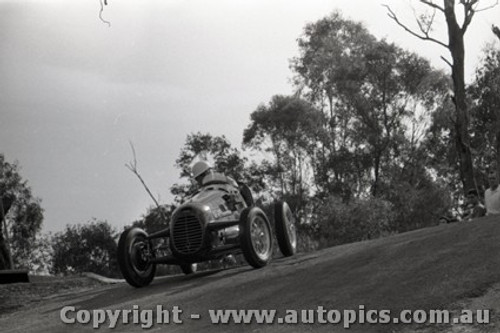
74 92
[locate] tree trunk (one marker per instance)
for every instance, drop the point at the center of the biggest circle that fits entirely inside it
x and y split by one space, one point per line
498 147
496 31
376 170
462 140
5 258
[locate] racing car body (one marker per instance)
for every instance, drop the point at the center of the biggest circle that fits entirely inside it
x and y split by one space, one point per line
218 220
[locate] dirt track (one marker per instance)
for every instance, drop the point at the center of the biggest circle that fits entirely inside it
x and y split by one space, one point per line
446 267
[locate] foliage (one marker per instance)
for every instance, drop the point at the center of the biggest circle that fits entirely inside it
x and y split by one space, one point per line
417 200
485 111
39 261
91 247
156 219
457 26
360 219
374 95
286 129
24 219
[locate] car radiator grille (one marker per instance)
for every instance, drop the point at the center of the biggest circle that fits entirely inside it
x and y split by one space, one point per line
187 233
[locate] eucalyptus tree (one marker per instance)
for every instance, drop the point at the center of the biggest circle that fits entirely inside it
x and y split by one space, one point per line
286 131
485 111
456 30
331 52
370 91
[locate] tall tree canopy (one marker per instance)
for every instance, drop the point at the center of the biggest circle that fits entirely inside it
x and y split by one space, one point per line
373 95
287 130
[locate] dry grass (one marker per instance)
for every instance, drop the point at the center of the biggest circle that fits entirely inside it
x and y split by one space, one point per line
16 296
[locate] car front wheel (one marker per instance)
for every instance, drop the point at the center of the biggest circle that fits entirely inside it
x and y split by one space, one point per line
255 237
133 258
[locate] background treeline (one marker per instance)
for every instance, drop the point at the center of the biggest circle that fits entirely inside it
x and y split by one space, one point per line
364 148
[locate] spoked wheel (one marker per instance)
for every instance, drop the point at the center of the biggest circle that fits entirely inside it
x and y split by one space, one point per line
255 237
189 268
286 231
133 258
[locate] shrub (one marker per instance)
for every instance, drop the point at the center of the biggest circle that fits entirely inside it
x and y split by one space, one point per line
359 219
90 247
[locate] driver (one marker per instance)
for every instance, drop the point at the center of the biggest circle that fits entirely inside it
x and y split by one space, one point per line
203 173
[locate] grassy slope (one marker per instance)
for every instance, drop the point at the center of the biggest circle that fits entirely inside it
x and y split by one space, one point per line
431 268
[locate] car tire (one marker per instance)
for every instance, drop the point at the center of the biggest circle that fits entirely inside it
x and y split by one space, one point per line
255 237
133 250
286 229
188 268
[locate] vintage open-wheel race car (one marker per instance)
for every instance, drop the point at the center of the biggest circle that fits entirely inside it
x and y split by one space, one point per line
218 220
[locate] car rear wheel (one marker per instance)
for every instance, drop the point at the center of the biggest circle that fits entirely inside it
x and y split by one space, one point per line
286 231
255 237
133 258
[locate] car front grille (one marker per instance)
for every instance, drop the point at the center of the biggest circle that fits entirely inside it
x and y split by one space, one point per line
187 233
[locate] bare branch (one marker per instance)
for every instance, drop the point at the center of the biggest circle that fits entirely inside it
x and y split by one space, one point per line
468 13
431 21
425 36
132 166
470 10
477 10
432 4
496 30
100 12
447 61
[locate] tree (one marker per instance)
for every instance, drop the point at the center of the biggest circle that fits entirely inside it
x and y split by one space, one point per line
485 110
496 31
39 261
90 247
376 95
392 87
22 219
440 154
455 45
331 52
287 129
5 257
156 219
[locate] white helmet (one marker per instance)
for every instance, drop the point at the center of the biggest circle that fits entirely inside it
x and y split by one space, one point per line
199 168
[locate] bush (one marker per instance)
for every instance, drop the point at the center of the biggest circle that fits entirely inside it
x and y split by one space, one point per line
360 219
90 247
417 207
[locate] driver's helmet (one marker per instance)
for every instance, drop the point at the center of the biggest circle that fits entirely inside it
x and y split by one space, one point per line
200 168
